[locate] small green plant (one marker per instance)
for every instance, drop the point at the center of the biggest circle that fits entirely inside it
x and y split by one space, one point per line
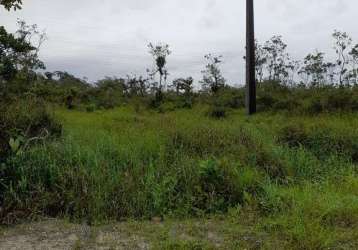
15 144
91 108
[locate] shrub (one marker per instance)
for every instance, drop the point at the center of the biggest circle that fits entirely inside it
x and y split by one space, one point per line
265 102
91 108
157 100
338 100
223 185
218 112
187 103
328 99
107 104
288 103
230 98
294 135
321 139
166 107
25 121
314 106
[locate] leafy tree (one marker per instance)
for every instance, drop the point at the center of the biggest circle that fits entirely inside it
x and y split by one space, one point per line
19 56
293 67
314 69
9 4
112 84
182 85
277 58
49 75
67 80
136 86
10 48
31 35
110 92
354 60
271 59
341 45
212 77
331 72
260 61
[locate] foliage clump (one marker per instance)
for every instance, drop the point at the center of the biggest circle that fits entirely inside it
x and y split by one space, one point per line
24 122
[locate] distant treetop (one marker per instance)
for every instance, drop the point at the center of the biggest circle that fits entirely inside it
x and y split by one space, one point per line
9 4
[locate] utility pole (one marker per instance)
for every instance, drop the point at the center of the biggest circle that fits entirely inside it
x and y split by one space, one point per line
250 59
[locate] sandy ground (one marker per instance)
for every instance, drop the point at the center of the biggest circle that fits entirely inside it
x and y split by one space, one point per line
53 234
195 234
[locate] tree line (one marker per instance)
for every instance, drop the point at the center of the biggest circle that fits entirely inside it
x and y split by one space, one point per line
274 63
23 73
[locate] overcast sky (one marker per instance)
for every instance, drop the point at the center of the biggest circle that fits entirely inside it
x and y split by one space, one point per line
97 38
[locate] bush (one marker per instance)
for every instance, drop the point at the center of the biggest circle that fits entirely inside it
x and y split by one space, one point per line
321 139
329 99
294 135
289 104
107 104
230 98
265 102
166 107
313 106
218 112
157 100
91 108
23 122
223 185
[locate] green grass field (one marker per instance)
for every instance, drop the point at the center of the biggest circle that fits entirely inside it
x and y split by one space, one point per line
289 181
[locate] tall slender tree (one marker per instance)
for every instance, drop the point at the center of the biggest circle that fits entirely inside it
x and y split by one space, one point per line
160 53
354 60
342 43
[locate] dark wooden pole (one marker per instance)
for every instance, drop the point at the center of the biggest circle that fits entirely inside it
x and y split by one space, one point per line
250 59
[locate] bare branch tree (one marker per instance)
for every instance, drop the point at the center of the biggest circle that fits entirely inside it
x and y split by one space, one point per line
341 45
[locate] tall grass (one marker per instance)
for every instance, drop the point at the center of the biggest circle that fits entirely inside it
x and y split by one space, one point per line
297 172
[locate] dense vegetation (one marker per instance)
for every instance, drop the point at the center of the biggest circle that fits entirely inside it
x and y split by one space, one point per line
295 174
140 147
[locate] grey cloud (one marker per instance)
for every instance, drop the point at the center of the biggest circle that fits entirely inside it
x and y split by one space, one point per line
97 38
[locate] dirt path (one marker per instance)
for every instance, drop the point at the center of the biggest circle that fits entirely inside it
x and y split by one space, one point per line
53 234
155 234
